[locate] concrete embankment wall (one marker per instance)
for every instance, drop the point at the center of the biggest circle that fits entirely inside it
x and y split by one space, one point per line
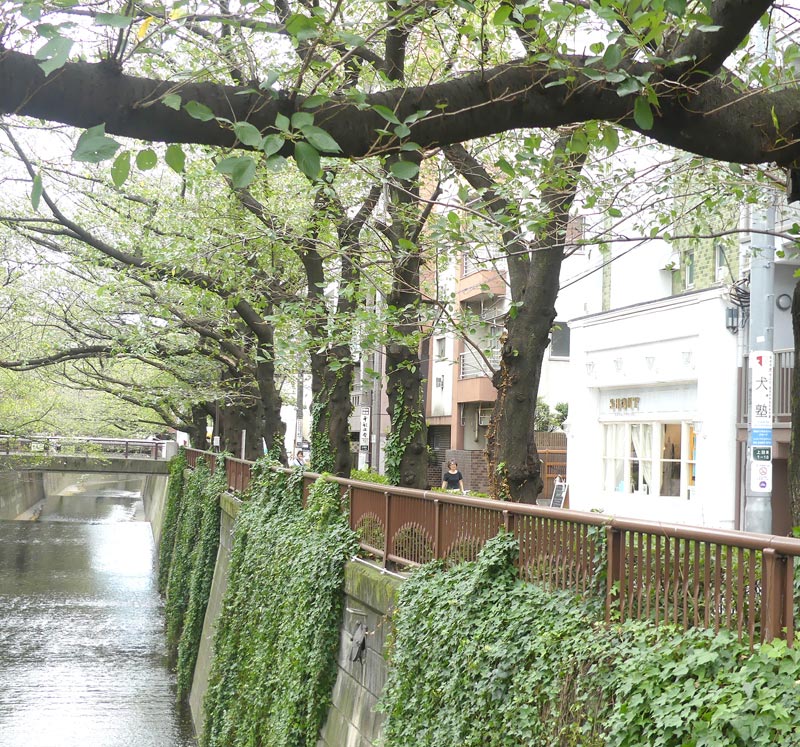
230 508
155 492
19 491
369 599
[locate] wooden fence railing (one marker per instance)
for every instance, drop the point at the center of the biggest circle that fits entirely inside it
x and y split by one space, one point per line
667 573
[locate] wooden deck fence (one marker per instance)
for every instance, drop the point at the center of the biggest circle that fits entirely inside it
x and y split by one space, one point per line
667 573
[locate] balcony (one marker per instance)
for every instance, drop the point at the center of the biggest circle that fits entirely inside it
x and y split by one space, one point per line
474 378
471 365
480 284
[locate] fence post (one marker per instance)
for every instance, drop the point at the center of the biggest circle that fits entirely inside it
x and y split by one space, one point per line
773 602
436 510
613 561
387 530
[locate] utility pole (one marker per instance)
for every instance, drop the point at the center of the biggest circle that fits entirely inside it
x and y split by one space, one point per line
758 493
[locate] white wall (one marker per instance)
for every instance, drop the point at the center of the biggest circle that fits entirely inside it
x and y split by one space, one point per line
441 397
677 355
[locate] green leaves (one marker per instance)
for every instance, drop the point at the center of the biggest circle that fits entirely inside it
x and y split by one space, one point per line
114 20
53 54
95 146
175 158
284 657
36 191
247 134
240 169
642 113
307 159
121 169
199 111
404 170
146 159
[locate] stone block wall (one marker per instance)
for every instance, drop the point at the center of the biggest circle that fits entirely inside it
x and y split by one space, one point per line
369 600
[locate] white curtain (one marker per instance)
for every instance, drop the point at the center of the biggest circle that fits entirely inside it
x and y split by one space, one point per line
642 439
614 454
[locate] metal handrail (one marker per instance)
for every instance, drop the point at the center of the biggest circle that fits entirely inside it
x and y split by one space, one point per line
685 575
60 445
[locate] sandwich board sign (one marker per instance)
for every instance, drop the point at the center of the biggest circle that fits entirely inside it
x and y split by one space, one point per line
559 493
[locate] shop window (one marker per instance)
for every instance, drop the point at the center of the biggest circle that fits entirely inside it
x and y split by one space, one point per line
657 459
559 340
671 459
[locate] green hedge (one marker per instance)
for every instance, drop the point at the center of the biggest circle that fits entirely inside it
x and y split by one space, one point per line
278 634
480 659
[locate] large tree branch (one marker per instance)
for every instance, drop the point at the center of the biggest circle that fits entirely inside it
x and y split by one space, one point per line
722 122
710 49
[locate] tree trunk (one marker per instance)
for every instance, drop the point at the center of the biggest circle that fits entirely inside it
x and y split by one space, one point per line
331 383
406 450
242 423
271 428
511 447
198 436
534 269
794 451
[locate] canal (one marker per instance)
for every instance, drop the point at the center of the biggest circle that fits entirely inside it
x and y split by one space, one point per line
83 659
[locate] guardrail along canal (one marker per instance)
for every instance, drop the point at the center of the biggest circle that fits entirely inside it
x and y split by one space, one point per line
82 652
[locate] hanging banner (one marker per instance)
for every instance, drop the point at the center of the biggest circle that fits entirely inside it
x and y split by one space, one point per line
363 442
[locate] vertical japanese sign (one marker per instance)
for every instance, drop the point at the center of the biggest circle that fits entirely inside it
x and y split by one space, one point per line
761 374
363 442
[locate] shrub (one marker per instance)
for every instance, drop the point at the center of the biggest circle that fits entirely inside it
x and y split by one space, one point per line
480 658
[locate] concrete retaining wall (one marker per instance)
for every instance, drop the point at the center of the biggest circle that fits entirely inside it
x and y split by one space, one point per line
19 491
230 508
369 600
155 491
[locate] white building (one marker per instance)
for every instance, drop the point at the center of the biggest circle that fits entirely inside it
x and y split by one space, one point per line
657 415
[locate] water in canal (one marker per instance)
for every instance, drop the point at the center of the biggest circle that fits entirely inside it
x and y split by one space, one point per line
82 650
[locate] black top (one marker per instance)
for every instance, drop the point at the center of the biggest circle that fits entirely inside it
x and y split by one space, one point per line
452 480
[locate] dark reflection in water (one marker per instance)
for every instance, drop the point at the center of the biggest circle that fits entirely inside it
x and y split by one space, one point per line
82 653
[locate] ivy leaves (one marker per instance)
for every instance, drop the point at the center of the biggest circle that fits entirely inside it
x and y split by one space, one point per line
276 642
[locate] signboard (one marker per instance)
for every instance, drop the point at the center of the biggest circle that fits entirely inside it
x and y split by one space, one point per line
761 367
559 494
761 437
760 477
363 442
762 453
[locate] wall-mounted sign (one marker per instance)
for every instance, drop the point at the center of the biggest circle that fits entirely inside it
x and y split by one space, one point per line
363 442
761 366
760 477
762 453
616 404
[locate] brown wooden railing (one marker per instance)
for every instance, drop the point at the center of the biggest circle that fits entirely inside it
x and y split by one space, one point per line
667 573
